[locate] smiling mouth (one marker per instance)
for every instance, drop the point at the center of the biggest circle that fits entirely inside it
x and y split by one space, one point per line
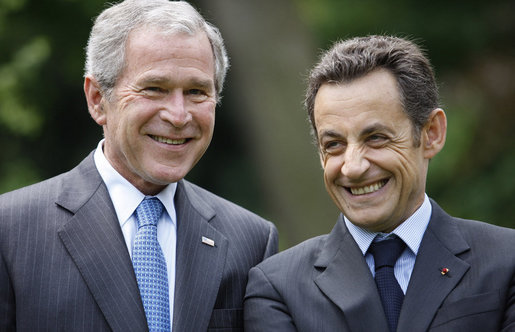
165 140
367 189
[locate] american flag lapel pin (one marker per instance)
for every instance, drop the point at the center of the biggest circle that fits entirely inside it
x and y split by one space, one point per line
208 241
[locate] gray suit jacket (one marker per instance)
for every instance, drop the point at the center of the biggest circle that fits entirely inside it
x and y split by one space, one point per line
324 284
64 265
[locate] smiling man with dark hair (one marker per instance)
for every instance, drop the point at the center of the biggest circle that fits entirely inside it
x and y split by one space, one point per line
395 261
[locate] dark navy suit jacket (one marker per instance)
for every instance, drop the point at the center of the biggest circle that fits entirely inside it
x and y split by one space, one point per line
324 284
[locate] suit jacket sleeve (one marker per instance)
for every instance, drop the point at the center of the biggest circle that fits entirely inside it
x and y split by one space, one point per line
7 319
272 244
509 316
263 300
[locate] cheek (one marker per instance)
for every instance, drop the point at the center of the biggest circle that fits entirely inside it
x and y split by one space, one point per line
408 168
206 118
409 160
119 118
332 166
394 158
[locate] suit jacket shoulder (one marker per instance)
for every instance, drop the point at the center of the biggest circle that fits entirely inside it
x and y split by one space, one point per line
286 266
83 178
209 203
465 276
36 205
487 235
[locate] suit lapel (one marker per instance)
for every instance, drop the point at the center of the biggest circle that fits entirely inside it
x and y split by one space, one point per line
199 266
347 281
94 240
428 287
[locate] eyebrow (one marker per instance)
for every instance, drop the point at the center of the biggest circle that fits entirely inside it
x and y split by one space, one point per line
376 127
373 128
202 83
329 133
195 81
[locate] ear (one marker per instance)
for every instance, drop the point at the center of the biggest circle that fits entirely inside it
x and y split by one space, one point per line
95 99
434 133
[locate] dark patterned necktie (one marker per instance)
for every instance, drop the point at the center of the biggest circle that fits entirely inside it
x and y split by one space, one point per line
150 266
385 254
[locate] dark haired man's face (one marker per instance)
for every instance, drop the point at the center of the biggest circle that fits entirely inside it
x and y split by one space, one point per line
372 170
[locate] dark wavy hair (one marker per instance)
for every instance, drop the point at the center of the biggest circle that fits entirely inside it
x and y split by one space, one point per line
353 58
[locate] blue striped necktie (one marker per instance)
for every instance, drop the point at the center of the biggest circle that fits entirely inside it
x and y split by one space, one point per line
385 254
150 266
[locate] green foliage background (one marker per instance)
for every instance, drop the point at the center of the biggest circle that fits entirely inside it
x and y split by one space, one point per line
261 155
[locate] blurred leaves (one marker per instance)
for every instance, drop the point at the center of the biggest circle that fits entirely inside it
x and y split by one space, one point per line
15 115
44 124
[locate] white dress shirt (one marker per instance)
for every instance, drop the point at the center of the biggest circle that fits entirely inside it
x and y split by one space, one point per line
410 231
126 198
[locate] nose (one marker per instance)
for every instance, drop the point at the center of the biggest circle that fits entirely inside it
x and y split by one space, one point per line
175 110
355 164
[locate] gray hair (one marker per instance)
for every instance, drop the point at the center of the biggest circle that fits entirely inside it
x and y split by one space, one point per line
105 53
353 58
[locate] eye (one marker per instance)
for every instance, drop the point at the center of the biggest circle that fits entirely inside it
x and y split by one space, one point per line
197 95
154 90
333 147
375 137
377 140
195 92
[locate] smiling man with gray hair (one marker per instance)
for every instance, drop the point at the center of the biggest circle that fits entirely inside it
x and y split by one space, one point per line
122 242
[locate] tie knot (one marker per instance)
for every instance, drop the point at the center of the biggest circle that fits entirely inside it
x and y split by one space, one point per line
386 252
149 211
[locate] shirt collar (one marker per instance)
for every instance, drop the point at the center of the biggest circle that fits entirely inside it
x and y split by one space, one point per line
124 195
410 231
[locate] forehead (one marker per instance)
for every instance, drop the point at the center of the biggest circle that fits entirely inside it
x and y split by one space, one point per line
373 98
148 48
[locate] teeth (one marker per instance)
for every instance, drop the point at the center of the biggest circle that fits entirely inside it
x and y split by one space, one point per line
169 141
368 189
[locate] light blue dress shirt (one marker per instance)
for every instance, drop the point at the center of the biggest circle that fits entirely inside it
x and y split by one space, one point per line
410 231
126 198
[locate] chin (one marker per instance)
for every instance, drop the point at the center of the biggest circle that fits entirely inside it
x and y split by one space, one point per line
164 177
170 178
374 223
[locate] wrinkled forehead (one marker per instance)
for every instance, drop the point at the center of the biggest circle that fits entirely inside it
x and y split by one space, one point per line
161 41
359 103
